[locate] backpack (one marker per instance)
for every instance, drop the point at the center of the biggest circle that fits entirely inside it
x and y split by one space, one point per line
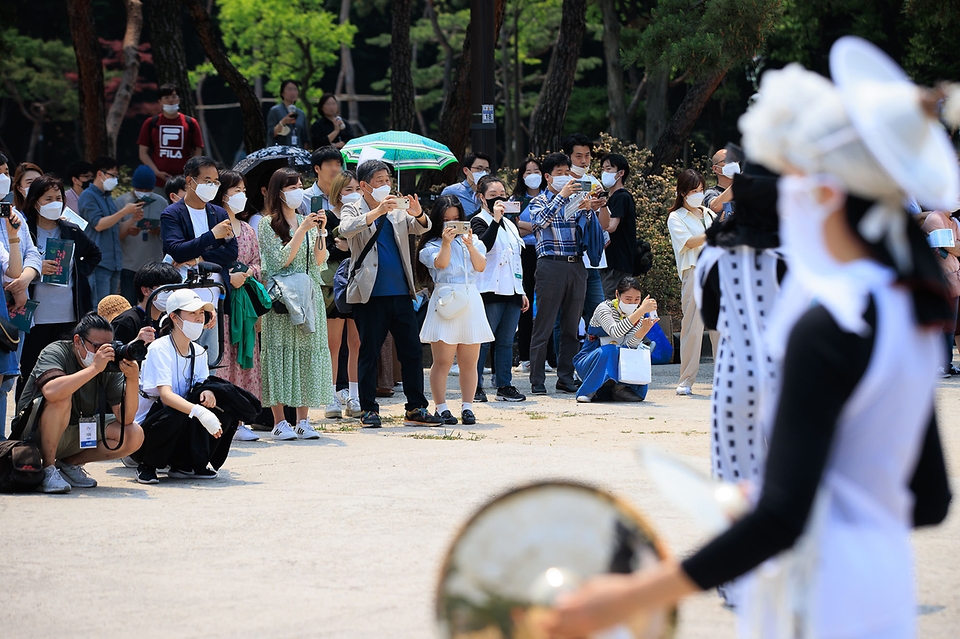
20 467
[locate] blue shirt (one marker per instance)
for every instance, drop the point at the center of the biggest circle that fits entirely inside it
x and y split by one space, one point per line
467 196
528 240
94 205
555 227
391 279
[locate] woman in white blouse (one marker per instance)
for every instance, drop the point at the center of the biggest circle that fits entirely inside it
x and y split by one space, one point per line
688 224
456 324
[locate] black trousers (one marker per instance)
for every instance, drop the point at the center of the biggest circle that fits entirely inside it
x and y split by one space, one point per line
39 337
395 314
174 439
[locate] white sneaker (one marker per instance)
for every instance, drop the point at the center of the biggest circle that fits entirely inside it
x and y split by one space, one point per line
129 463
584 399
53 483
455 370
548 368
305 431
334 409
522 367
76 476
244 434
283 432
684 390
943 373
352 407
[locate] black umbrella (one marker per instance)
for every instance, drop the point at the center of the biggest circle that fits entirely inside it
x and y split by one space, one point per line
257 168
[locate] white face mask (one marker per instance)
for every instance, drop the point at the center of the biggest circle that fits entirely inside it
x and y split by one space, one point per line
51 210
237 202
380 192
628 309
557 182
88 357
293 198
207 192
608 179
4 184
350 198
160 301
140 194
578 171
171 109
694 200
533 181
729 170
111 183
192 330
479 174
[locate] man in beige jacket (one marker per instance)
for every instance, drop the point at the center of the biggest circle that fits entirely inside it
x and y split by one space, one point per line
382 289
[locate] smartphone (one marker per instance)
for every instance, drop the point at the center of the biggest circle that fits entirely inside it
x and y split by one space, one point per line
463 227
238 267
5 209
585 185
316 203
403 203
146 199
511 207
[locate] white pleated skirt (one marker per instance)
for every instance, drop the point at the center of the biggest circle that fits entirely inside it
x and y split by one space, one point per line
469 327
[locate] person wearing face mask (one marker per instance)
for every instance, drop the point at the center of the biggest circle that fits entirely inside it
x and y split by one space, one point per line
529 185
59 307
170 138
140 241
621 322
381 288
194 229
852 466
474 166
344 191
188 436
622 249
688 223
500 285
103 226
725 167
296 368
63 393
80 176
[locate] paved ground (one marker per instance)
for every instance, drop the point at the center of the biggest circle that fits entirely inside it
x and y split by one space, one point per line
344 537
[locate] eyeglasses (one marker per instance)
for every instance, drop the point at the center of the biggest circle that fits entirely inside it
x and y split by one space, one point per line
96 347
113 175
479 168
209 181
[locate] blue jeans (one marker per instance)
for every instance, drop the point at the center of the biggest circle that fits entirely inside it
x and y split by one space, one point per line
503 318
103 282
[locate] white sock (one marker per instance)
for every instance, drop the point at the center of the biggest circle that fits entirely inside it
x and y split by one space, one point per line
467 406
442 407
334 386
354 389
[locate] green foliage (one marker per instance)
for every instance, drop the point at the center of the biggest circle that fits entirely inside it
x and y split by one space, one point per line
39 73
281 39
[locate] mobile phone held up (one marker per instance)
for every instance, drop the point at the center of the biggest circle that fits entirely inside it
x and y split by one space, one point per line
462 227
511 207
5 209
316 203
403 203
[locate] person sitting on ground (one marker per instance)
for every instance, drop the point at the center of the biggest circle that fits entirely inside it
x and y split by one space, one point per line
618 323
175 363
65 391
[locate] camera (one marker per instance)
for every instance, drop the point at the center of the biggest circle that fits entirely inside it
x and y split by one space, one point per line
134 352
5 209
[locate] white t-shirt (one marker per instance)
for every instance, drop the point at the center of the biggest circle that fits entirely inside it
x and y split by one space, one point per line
164 366
199 219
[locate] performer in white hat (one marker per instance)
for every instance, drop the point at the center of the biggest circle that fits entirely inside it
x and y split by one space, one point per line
852 466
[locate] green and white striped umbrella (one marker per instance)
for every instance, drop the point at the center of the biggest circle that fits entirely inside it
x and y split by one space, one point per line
403 150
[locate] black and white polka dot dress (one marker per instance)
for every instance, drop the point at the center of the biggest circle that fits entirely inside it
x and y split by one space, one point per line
736 290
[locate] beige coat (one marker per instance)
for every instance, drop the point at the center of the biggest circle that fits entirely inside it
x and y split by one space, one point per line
353 227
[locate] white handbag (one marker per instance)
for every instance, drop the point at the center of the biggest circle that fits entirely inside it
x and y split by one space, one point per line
451 301
635 365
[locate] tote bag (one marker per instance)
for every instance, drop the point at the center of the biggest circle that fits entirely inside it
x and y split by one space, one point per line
635 365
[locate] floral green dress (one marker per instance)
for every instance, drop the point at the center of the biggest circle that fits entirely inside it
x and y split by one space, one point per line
295 366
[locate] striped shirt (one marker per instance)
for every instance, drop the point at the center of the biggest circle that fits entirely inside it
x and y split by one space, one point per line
615 324
555 230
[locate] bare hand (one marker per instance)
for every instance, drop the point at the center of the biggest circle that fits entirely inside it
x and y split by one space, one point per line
498 210
103 356
19 297
448 235
212 323
163 175
223 230
13 223
388 204
238 278
525 304
49 267
129 368
597 203
569 188
415 209
132 209
341 244
208 399
602 602
647 305
147 334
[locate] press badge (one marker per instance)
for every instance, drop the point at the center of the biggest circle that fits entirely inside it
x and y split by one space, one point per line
88 433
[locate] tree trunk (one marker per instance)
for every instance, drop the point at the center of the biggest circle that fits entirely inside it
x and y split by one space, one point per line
90 67
402 106
347 76
546 121
658 83
166 44
131 68
509 145
619 118
431 11
683 121
254 128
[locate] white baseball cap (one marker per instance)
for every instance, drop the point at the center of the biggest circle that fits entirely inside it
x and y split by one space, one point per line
185 299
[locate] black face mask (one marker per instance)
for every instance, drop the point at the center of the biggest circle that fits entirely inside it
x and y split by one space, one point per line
85 184
493 201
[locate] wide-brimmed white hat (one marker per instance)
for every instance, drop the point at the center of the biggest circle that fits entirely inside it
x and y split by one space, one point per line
185 299
887 110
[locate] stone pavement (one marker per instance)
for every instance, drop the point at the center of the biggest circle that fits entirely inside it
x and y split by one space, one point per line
344 537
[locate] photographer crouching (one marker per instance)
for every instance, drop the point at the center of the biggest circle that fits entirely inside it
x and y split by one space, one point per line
65 400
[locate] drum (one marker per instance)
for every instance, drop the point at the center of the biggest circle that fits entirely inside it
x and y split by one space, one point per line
513 557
